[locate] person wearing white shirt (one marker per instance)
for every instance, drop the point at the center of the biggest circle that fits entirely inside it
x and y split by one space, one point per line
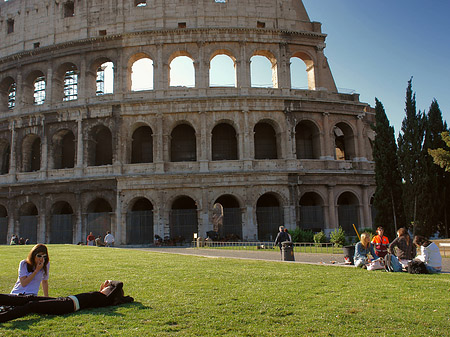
109 239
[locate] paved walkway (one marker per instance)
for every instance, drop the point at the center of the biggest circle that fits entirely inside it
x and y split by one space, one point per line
316 258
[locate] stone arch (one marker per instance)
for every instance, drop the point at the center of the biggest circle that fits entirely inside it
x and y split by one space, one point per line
3 225
266 63
98 217
309 74
142 145
31 153
5 155
311 212
224 142
222 69
100 77
265 140
61 223
8 90
183 143
344 140
65 82
307 140
140 221
100 147
141 72
269 216
181 70
63 149
348 211
230 226
28 222
183 220
34 88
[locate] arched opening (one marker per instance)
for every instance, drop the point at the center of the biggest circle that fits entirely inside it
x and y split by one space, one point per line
311 212
142 75
31 153
105 79
224 142
12 96
3 225
100 150
230 226
70 83
5 153
344 142
222 71
140 223
182 72
62 223
183 145
307 140
302 72
263 71
98 217
265 141
269 216
183 220
348 211
39 86
64 149
28 222
142 145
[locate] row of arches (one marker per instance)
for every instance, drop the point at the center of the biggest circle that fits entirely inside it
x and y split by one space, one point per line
183 141
183 218
69 79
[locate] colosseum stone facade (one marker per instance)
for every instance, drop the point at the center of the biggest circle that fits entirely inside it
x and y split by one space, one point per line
86 149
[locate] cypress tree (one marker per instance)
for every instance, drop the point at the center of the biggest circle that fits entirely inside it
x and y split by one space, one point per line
410 142
388 194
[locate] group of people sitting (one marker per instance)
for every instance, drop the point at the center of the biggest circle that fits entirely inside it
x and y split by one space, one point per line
109 240
34 271
400 252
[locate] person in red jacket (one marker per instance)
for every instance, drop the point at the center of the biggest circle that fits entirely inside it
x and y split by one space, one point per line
380 243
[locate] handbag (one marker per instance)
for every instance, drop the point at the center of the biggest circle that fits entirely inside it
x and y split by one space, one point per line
376 265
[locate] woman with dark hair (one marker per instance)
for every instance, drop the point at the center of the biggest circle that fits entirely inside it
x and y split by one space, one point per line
32 272
430 254
111 293
406 250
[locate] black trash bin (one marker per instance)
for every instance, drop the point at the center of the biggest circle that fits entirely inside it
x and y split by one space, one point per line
287 251
349 253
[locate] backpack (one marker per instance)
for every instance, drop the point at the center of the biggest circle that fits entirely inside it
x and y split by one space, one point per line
417 267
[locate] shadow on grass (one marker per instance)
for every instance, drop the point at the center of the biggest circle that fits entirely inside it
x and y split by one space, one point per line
25 322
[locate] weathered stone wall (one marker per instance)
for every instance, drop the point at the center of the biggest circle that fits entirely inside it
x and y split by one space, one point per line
94 125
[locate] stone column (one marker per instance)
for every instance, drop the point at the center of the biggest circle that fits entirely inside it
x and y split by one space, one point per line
366 216
79 234
80 147
243 66
327 143
332 208
13 159
360 129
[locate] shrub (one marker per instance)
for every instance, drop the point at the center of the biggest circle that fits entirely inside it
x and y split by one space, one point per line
338 237
300 235
320 237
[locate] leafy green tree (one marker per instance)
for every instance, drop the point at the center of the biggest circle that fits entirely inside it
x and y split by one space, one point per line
388 194
441 156
410 142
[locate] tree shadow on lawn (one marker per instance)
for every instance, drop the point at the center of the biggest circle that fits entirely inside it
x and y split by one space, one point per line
25 322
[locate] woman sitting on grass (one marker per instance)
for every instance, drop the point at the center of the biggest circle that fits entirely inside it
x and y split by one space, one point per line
362 250
430 254
15 306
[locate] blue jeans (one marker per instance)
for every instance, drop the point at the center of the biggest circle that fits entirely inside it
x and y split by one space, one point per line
433 270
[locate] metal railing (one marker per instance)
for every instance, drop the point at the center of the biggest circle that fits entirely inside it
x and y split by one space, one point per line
302 247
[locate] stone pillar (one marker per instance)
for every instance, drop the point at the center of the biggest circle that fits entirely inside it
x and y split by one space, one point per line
366 212
44 147
80 147
243 66
79 233
360 151
332 208
49 87
328 142
120 226
13 159
158 145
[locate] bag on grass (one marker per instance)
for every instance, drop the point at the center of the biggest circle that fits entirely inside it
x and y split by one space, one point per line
376 265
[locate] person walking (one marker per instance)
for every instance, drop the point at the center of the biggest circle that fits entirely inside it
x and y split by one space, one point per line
281 237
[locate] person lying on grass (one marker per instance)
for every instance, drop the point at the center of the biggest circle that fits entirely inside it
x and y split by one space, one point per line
15 306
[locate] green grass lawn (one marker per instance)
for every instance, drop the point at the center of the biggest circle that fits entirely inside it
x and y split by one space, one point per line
177 295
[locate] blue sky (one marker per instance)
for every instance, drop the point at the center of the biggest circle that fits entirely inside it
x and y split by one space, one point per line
374 47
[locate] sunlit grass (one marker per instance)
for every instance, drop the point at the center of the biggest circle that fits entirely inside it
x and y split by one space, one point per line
180 295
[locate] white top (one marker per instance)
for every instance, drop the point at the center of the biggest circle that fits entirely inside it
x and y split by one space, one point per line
109 238
31 288
431 255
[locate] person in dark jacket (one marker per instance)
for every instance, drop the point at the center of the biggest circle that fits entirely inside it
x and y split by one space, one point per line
406 249
15 306
281 237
